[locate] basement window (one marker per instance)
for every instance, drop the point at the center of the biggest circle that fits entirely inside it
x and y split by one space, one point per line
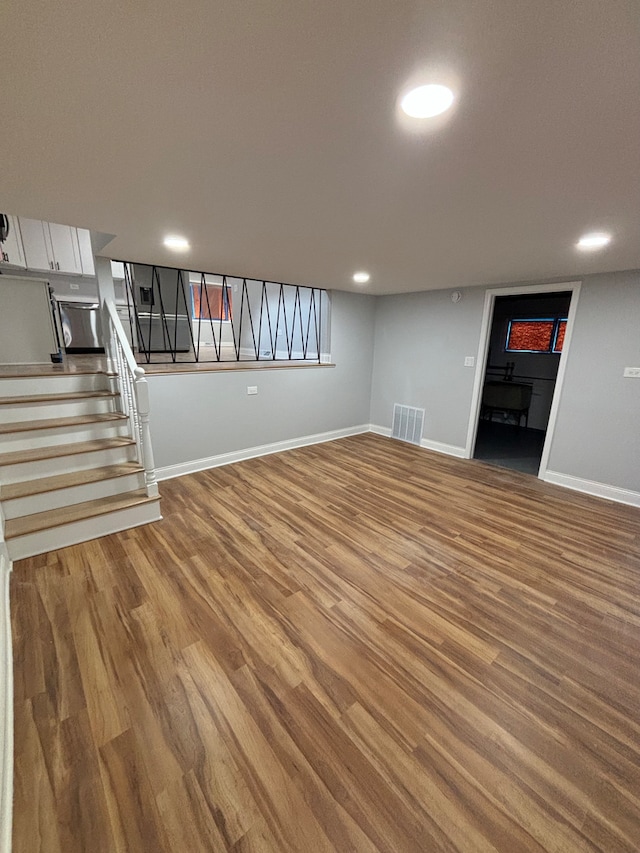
536 334
210 302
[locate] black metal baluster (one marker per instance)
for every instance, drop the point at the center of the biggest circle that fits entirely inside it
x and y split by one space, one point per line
186 310
166 338
319 329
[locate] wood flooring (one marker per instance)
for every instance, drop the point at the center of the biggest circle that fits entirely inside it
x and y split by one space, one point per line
355 646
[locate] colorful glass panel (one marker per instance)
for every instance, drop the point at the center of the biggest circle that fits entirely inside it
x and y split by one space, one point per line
213 304
530 335
562 328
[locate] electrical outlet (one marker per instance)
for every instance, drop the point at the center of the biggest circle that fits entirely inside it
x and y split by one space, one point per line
469 361
74 287
631 373
252 389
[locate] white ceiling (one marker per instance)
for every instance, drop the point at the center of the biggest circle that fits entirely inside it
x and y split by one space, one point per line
267 133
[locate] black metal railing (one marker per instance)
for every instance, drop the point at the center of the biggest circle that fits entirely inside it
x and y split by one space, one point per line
181 316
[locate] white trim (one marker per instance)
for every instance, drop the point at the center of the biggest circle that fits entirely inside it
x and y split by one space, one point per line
440 447
483 349
380 430
195 465
557 391
591 487
426 443
6 705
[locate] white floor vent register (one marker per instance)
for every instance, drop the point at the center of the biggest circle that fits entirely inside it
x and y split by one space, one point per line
408 423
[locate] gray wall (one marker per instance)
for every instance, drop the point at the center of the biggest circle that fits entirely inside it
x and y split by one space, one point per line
420 345
421 340
597 434
198 415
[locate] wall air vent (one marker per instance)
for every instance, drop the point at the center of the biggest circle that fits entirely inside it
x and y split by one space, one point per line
408 423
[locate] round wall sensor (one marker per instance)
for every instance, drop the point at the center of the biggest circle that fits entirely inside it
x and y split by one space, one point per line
456 296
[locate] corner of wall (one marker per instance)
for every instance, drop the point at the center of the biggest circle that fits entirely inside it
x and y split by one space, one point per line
6 705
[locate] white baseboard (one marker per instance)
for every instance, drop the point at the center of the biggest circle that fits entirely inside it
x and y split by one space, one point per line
440 447
195 465
380 430
590 487
427 443
6 706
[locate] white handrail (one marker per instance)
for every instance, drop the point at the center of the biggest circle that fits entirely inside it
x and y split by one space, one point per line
134 390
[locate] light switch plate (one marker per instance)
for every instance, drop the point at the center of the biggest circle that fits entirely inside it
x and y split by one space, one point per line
252 389
631 373
469 361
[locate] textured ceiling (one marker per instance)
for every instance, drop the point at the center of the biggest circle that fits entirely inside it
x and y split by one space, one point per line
267 133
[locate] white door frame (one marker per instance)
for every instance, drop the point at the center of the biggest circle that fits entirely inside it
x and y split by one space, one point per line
483 350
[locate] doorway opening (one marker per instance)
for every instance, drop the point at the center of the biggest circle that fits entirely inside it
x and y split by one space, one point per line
526 339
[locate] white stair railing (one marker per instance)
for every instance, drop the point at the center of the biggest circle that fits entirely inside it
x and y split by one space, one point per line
134 390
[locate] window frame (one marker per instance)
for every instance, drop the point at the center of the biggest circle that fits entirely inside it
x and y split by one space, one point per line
551 350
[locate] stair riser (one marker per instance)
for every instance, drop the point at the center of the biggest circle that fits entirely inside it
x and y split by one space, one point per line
31 439
19 507
54 384
63 409
64 464
81 531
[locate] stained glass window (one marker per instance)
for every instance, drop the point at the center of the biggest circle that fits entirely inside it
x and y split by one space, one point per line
213 304
536 335
530 335
561 329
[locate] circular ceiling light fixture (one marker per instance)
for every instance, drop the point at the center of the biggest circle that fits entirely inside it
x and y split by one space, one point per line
176 244
427 101
592 242
361 277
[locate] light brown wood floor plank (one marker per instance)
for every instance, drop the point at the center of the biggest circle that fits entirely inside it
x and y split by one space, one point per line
358 646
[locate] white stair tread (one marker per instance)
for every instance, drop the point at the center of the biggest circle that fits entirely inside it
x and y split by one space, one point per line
63 395
10 491
54 423
53 451
15 527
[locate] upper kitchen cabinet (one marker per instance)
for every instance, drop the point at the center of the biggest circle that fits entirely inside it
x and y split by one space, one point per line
117 269
11 247
86 252
49 246
86 257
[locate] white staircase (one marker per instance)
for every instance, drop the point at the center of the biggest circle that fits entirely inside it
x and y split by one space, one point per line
70 461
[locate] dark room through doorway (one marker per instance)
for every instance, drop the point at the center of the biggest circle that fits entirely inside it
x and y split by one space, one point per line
525 344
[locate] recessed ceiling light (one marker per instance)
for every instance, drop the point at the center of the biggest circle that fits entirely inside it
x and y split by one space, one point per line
597 240
361 277
427 101
176 244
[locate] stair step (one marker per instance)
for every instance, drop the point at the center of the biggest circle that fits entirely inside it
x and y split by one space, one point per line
54 423
20 371
39 453
46 398
11 491
70 514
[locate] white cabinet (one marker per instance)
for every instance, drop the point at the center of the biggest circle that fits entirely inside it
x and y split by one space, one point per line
86 257
49 246
86 252
36 251
65 249
117 269
11 249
